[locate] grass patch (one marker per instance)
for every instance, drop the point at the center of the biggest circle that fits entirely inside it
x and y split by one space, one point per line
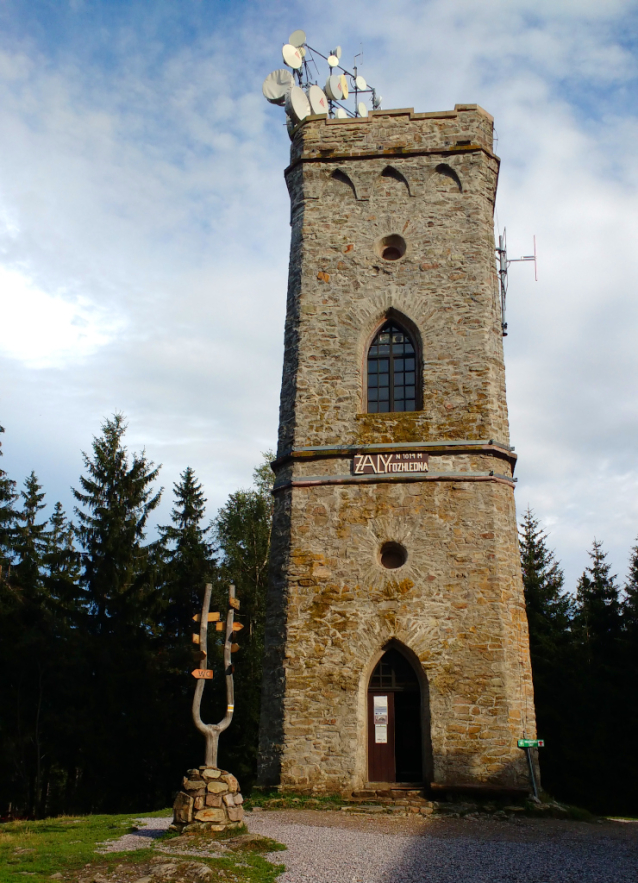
66 845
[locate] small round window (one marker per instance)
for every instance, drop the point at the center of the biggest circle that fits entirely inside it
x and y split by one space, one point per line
391 248
393 555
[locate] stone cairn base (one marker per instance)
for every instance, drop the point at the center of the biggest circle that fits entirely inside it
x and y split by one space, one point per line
210 800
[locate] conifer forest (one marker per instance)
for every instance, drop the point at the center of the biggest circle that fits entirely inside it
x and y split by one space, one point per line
96 652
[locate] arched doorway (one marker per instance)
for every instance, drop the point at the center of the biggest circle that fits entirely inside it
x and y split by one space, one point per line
395 744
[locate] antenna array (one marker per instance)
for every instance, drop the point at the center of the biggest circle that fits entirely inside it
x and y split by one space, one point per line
301 95
502 264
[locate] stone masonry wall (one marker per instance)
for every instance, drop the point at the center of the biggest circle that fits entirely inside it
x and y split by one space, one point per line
455 609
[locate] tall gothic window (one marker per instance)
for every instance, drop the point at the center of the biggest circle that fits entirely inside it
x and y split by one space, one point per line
392 367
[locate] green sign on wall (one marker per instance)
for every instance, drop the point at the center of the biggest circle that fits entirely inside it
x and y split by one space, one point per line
531 743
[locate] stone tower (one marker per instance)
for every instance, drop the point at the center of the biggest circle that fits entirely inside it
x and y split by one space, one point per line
396 635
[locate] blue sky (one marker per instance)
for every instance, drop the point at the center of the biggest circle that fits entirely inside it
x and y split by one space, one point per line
144 230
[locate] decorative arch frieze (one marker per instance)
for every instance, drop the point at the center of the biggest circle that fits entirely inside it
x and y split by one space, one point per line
446 178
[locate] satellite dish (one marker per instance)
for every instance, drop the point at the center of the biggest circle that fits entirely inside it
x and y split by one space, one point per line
337 52
333 61
297 104
318 100
341 114
292 56
361 84
344 85
276 85
334 87
302 51
362 109
297 39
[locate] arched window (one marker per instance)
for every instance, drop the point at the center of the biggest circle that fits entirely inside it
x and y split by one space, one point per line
392 371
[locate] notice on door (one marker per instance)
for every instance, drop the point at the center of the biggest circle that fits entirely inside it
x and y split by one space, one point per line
380 707
381 734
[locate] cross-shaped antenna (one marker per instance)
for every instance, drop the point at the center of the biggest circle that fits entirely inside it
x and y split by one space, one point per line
503 265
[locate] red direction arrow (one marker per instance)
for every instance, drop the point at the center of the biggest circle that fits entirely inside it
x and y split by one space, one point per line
202 673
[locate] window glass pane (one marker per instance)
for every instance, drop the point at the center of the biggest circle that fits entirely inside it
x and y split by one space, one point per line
391 380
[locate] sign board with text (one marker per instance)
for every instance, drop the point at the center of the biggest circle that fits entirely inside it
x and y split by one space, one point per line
389 464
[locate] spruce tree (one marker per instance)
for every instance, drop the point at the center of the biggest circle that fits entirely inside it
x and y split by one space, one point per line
600 717
116 499
31 536
188 557
549 614
120 684
630 603
599 609
8 497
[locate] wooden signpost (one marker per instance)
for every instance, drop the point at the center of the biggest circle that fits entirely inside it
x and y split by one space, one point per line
212 731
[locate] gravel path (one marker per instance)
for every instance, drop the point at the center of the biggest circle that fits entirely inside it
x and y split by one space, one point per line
149 830
326 847
463 853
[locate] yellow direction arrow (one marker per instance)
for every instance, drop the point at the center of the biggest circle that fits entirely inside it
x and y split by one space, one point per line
212 617
234 648
237 626
202 673
234 602
195 639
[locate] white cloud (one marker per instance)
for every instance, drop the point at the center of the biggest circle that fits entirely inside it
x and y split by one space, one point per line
147 201
44 330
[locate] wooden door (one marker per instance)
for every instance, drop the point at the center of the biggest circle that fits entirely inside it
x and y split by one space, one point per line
381 764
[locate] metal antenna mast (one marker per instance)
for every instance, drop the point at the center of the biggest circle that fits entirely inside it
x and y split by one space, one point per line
503 263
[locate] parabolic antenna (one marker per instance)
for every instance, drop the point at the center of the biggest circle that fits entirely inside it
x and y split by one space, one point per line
362 109
361 84
333 61
318 100
344 85
297 104
341 114
337 52
292 56
276 85
297 38
334 87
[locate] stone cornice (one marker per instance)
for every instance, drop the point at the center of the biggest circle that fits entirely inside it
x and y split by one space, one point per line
315 480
